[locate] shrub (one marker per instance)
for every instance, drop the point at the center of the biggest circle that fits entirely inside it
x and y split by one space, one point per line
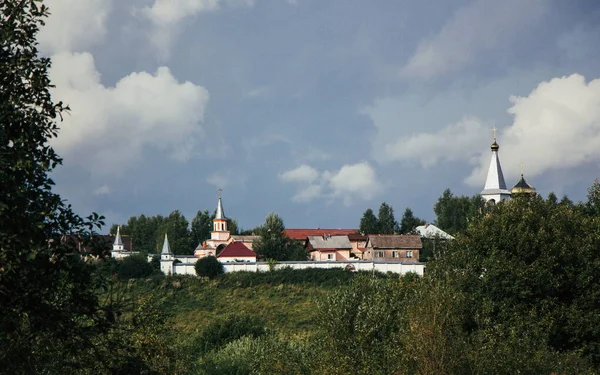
223 330
134 266
209 267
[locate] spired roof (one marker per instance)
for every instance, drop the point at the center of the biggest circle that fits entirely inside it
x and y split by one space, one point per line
494 183
328 242
522 187
236 249
118 240
395 241
220 213
166 249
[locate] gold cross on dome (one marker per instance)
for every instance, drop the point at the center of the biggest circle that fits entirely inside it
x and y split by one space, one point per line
522 165
219 193
494 129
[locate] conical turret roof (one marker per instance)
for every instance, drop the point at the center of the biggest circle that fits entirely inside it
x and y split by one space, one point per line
166 249
220 213
118 240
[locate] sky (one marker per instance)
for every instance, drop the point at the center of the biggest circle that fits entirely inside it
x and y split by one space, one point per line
319 109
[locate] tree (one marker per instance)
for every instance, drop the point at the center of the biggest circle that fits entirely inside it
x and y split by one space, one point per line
531 269
273 243
369 223
209 267
387 221
201 227
455 213
50 313
592 206
409 222
177 227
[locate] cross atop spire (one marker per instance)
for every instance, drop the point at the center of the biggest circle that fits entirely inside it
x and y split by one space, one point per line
495 187
522 165
219 193
494 129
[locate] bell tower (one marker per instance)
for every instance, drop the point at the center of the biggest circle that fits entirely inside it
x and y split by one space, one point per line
220 231
495 189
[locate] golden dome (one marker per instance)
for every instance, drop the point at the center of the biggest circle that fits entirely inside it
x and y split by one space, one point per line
522 187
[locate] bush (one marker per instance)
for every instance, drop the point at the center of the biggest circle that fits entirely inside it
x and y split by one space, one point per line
134 266
223 330
209 267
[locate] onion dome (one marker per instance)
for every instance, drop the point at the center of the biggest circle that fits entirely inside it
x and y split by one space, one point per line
495 146
522 187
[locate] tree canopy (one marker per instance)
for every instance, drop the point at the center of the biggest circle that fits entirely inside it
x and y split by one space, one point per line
453 214
274 244
409 222
50 312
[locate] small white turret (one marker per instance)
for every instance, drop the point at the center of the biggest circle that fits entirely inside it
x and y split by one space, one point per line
118 244
166 258
495 188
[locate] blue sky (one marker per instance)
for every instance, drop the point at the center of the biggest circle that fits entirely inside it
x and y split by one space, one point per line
318 110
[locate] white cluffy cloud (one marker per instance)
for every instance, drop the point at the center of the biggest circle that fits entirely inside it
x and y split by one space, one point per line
108 127
475 30
452 143
557 126
73 25
351 182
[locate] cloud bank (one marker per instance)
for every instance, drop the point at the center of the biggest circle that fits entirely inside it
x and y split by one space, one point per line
109 127
350 183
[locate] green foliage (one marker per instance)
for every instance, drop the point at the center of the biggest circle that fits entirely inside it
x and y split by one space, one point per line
531 269
386 220
50 311
369 223
263 355
177 227
228 328
134 267
455 213
361 325
201 227
409 222
273 244
209 267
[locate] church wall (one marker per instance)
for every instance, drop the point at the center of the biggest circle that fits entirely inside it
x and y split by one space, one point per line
395 267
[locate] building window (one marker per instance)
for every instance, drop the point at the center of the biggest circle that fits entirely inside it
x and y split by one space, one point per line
409 254
329 256
394 254
379 254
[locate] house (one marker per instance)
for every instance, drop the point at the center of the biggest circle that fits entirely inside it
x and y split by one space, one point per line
393 247
359 244
236 252
302 234
331 248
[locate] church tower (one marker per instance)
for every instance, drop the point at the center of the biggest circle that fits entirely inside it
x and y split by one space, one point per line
166 258
220 231
495 188
118 244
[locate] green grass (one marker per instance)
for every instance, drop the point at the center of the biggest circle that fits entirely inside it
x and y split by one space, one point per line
286 299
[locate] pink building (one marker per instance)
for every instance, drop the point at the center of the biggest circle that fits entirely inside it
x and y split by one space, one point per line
328 248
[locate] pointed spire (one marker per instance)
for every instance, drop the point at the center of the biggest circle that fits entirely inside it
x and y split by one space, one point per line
220 212
166 249
495 186
118 240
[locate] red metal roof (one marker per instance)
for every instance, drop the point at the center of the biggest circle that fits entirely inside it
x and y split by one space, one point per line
236 249
301 234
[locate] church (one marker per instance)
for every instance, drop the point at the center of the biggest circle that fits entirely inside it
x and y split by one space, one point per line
495 188
220 236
